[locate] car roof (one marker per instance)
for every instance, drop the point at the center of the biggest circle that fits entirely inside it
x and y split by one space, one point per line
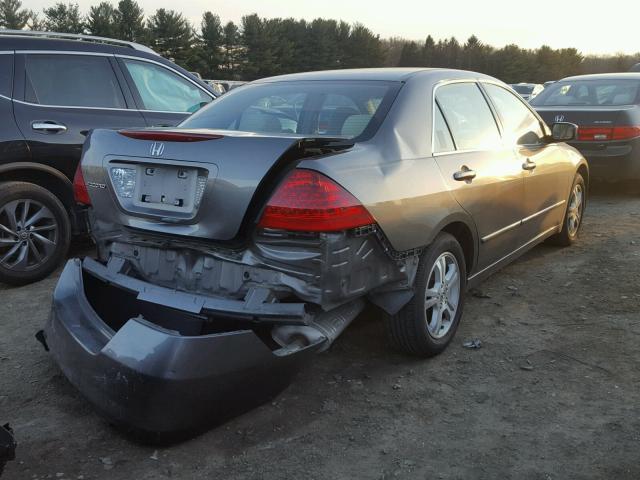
379 74
19 42
605 76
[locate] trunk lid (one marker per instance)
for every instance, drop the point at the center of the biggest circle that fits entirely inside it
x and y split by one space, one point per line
204 187
587 115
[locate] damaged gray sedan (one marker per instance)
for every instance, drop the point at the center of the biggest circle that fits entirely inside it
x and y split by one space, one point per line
234 247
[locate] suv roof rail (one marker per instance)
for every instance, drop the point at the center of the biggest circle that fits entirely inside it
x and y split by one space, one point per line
77 36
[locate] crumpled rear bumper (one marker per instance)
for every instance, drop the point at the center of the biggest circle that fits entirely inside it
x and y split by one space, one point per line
153 379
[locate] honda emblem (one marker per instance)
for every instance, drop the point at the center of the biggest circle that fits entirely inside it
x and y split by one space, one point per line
157 149
559 118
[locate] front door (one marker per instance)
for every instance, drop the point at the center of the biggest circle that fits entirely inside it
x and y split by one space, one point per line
62 98
482 173
545 174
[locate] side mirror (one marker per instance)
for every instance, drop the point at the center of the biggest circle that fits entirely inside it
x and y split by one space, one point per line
564 131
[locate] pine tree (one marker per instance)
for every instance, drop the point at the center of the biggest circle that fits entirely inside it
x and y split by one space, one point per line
130 21
230 49
12 15
102 20
210 48
63 18
172 36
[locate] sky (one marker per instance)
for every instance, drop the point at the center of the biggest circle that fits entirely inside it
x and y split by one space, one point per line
591 26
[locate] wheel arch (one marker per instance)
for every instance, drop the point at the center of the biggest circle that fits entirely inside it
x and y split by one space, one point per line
48 177
467 238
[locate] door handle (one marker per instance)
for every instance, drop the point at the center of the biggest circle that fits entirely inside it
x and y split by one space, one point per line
529 165
48 127
464 174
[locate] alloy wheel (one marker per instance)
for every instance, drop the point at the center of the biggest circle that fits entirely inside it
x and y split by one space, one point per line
442 295
574 213
28 234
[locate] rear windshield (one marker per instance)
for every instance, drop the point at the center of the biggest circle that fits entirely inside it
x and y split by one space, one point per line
589 93
522 89
348 109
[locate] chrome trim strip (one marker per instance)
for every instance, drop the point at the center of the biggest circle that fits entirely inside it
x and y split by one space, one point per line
76 107
7 52
534 239
64 52
544 210
501 231
520 222
96 108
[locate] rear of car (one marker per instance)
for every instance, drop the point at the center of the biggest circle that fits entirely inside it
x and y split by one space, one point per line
215 239
606 109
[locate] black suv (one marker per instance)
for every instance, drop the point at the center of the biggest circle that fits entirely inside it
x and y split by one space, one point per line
54 88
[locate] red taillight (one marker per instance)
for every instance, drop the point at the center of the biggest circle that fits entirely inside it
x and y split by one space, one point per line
80 193
603 134
310 202
161 136
625 132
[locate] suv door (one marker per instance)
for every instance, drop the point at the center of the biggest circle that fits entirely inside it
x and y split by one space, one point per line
482 174
545 175
164 95
60 97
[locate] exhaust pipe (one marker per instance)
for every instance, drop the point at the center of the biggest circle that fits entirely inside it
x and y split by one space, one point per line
326 326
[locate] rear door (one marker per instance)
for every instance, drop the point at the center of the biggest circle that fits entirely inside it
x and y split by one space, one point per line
60 97
484 176
163 95
546 169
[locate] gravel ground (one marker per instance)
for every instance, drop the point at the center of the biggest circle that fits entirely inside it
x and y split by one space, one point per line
554 392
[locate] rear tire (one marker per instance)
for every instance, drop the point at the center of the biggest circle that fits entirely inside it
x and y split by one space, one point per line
573 217
426 325
35 232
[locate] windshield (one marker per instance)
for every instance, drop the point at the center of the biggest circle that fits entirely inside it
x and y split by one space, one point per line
349 109
523 89
589 93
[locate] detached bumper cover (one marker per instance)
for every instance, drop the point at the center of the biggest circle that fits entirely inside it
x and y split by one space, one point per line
151 379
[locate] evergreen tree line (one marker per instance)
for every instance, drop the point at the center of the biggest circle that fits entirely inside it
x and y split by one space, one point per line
259 47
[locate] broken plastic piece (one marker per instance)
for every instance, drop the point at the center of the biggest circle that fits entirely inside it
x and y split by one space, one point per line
475 343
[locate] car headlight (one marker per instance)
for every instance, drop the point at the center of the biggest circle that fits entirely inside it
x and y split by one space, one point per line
124 181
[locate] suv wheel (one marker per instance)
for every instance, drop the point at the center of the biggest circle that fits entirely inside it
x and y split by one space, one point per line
35 232
426 324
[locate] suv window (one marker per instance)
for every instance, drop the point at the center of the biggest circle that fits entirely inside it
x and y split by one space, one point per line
72 80
6 74
519 124
162 90
468 116
442 141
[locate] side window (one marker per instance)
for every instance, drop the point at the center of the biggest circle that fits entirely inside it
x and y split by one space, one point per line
6 75
72 80
468 116
442 141
520 125
161 89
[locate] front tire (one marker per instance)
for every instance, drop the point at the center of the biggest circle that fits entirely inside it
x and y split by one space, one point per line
426 325
35 232
573 217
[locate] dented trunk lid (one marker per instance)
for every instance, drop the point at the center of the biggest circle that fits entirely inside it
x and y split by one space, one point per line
202 188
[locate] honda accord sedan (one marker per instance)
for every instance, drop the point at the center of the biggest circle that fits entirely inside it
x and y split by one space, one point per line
606 107
233 247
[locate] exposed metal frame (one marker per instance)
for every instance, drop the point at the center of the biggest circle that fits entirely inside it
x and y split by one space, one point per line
81 37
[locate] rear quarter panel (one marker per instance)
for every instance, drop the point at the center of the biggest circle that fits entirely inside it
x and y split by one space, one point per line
394 174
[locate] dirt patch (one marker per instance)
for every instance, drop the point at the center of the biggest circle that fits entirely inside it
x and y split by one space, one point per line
553 393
